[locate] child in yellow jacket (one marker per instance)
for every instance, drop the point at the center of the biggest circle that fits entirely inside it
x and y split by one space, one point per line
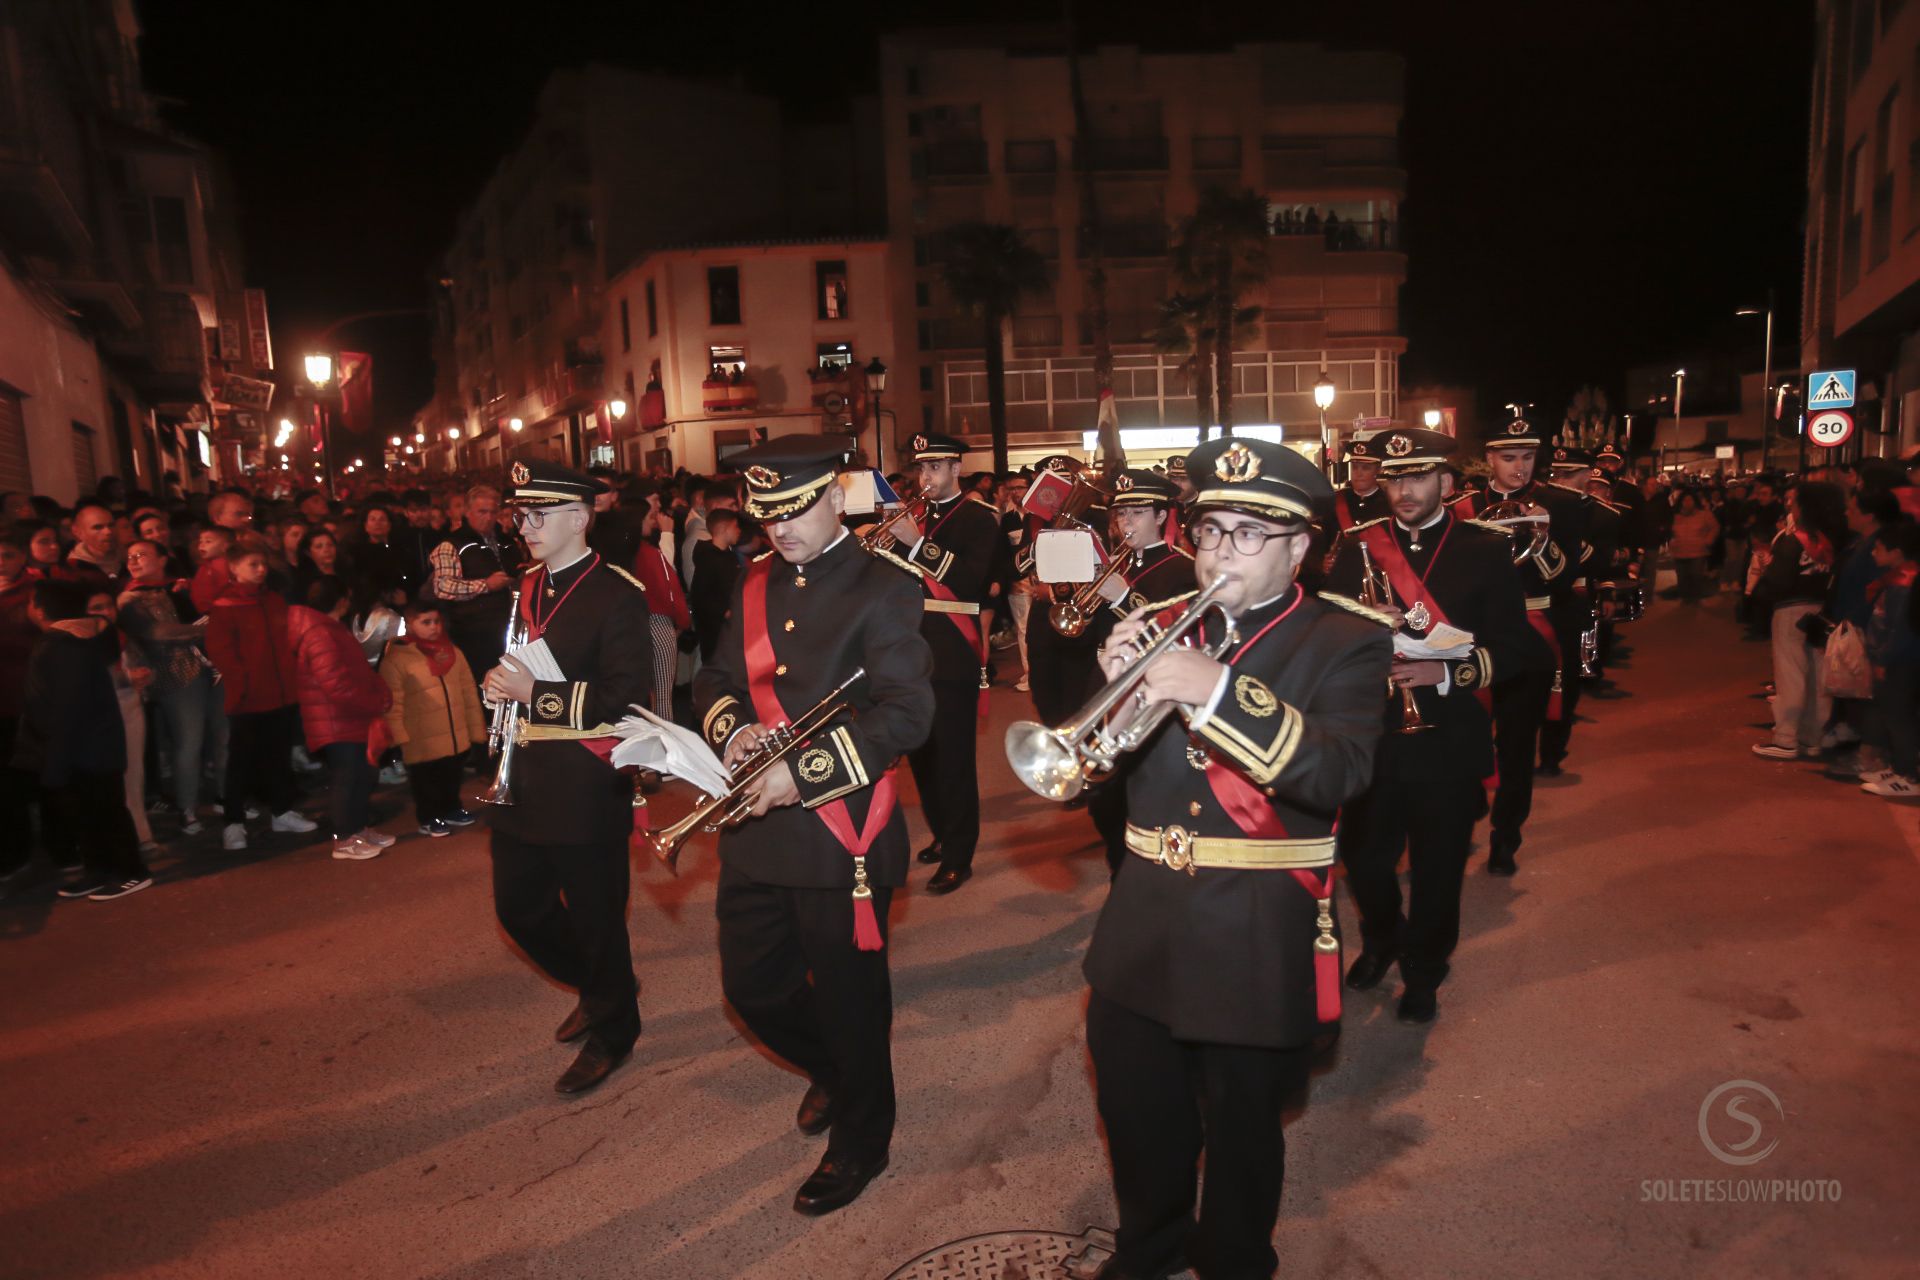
435 716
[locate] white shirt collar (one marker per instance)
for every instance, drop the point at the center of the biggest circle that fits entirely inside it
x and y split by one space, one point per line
1437 517
552 570
830 546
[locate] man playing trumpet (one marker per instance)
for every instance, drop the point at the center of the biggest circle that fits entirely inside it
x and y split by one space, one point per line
1214 965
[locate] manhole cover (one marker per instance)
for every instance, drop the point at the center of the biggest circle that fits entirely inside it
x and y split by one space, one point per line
1014 1255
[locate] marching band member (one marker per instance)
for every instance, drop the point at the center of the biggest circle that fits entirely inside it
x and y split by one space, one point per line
805 883
1214 965
1427 790
560 849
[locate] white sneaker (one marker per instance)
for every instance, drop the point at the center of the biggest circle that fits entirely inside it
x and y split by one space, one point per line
234 836
1871 776
370 836
1023 685
1773 752
293 820
191 828
1893 787
393 775
355 849
253 812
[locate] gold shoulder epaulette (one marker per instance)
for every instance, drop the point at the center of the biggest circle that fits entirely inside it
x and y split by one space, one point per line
623 573
892 559
1366 611
762 556
1179 550
1368 524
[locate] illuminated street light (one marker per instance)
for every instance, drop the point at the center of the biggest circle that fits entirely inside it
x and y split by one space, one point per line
358 463
419 437
319 370
1432 418
1323 389
618 408
395 441
876 378
514 424
453 433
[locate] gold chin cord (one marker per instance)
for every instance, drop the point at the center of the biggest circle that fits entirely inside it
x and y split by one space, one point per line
1058 763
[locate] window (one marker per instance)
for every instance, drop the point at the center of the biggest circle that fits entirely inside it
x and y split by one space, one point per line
922 294
926 377
653 313
731 358
834 355
723 295
626 328
1860 43
830 289
16 475
84 471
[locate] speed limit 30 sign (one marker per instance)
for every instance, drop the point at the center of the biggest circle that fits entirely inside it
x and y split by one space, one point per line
1830 429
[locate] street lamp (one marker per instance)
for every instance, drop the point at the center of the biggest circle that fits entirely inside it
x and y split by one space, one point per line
618 408
876 375
395 441
514 424
453 433
319 370
1679 390
1432 418
1323 390
1766 380
419 437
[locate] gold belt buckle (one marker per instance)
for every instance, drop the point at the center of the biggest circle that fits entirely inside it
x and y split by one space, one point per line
1176 849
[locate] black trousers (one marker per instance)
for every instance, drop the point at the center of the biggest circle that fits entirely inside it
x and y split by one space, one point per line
580 942
1556 734
93 806
1519 710
18 790
1059 670
1165 1101
1431 818
260 760
436 787
836 1028
946 770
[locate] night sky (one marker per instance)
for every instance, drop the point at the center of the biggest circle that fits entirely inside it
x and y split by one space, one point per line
1591 185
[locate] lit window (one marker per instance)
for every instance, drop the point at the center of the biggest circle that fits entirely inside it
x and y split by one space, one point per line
830 290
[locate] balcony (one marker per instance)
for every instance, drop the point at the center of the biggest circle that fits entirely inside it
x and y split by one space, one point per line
1348 164
1038 156
1337 235
950 333
1124 328
1044 241
1121 155
1217 155
960 158
1036 331
1133 239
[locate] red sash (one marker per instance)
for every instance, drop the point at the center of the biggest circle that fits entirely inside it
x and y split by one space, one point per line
767 708
969 627
1247 805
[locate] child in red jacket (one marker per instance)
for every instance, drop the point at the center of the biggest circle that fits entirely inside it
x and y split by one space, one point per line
247 641
340 699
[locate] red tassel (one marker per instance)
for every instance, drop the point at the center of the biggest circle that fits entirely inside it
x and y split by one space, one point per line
866 926
1326 984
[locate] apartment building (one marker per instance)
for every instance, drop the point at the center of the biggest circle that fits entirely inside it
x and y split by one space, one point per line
1861 300
716 348
981 126
129 344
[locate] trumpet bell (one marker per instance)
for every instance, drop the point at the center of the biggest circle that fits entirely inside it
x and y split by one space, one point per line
1049 768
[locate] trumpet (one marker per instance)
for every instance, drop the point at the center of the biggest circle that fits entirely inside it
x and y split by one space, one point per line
1376 589
1058 763
1071 616
1513 514
734 804
501 738
872 538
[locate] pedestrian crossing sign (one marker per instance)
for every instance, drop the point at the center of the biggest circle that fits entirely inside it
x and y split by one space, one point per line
1832 389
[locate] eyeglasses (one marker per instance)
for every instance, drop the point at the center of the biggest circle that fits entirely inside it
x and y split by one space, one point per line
1248 539
534 517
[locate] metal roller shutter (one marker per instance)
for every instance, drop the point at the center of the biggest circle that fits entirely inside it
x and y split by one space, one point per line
15 474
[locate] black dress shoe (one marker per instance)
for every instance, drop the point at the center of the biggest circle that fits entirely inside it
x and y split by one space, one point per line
576 1025
593 1065
1418 1005
1544 770
835 1184
946 880
1500 853
816 1111
1366 972
930 854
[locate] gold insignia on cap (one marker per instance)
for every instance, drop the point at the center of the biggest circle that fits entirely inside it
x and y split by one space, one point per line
519 473
1237 464
919 443
762 477
816 765
550 704
1559 455
1465 674
1518 427
1399 446
1254 698
1056 463
1122 483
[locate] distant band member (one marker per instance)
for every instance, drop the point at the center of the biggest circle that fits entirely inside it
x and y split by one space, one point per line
560 869
1215 965
806 882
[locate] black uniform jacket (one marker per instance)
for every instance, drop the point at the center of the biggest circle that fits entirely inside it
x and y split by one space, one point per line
1551 574
1159 572
598 634
961 556
1226 956
1362 509
847 609
1474 582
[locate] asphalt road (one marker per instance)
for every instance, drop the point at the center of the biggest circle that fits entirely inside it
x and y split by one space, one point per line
285 1065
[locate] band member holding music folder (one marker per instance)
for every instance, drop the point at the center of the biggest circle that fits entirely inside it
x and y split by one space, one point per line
560 869
1214 965
1148 569
1549 566
1428 785
953 551
806 881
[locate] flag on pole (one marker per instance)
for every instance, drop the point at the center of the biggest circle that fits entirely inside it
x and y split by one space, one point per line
1113 457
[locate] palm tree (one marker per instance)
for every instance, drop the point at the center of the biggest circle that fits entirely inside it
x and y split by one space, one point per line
1222 256
1113 456
1186 330
988 269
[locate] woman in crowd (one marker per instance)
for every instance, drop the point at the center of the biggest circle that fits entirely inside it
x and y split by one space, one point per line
131 677
43 549
668 603
375 557
322 567
1694 533
1798 575
153 615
